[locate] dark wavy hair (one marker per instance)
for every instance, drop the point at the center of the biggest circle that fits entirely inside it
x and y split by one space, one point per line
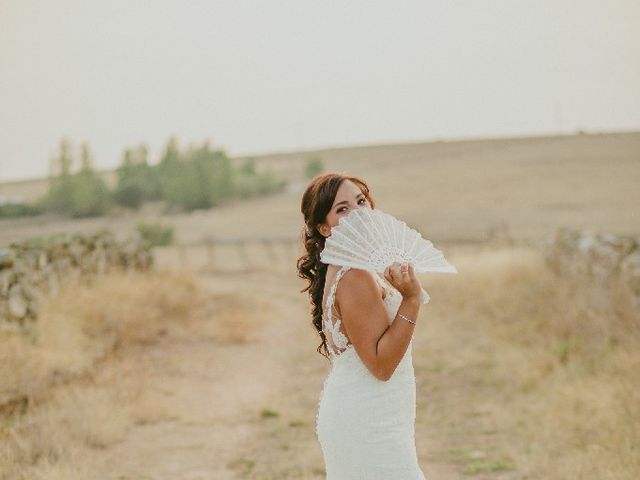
316 203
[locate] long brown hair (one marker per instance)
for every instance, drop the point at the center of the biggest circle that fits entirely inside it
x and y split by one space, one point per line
317 200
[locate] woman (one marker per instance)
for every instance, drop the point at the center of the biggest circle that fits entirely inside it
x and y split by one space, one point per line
366 414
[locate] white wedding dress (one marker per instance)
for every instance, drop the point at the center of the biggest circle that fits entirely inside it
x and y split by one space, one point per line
366 426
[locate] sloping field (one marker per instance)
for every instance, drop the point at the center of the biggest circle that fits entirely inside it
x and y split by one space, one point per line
449 190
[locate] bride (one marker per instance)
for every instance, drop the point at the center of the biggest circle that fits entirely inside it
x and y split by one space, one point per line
365 421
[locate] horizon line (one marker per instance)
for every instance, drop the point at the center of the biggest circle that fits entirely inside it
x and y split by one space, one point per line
386 143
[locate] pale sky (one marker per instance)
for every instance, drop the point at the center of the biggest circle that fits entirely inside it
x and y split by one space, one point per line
264 76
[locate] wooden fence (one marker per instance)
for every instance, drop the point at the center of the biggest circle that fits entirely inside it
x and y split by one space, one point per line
231 254
243 254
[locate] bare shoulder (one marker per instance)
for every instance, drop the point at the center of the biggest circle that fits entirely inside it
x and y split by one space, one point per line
358 285
364 315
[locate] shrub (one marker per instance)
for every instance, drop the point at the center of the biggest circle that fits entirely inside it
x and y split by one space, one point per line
156 234
313 167
19 210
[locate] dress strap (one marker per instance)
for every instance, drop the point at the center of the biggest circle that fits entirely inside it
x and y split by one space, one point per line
332 292
337 339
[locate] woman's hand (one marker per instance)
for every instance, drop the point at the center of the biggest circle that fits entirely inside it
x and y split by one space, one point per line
403 277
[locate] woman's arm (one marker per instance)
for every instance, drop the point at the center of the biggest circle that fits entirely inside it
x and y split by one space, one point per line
365 318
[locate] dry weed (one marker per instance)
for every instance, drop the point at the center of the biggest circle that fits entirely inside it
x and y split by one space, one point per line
552 386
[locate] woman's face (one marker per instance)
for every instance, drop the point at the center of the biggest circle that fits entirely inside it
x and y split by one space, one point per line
348 197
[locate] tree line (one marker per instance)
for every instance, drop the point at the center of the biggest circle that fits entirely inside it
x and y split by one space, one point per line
197 177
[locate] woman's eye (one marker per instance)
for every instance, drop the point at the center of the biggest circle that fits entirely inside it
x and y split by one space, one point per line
342 208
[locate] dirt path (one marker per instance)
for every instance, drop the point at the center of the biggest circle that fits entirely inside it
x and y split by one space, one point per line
209 389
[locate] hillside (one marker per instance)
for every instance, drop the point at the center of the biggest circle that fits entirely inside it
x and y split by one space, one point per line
452 191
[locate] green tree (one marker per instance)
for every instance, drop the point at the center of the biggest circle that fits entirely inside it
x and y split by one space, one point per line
90 192
248 167
169 173
127 192
59 197
313 167
137 180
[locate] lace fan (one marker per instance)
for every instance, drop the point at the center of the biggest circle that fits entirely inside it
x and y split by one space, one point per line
371 239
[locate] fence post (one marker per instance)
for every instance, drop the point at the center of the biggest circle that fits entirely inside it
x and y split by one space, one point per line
242 248
182 252
211 244
210 254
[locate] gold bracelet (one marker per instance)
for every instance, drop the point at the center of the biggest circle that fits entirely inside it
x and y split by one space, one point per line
408 320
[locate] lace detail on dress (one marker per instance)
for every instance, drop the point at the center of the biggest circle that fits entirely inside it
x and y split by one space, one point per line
336 340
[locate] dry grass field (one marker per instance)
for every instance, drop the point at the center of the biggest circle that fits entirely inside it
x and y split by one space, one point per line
198 374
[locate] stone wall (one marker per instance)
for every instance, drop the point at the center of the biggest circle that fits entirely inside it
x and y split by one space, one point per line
31 269
603 268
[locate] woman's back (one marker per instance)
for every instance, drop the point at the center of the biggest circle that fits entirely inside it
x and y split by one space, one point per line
365 425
